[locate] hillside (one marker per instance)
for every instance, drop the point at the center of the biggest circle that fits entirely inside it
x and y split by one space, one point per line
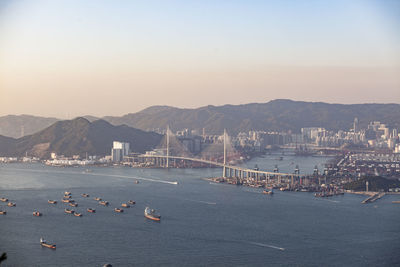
375 183
76 137
276 115
13 125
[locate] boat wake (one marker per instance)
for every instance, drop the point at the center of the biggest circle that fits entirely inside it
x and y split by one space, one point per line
100 174
263 245
201 201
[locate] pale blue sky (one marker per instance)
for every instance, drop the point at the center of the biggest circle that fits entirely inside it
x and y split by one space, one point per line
132 54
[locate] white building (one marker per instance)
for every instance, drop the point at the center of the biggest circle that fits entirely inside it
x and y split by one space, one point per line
119 151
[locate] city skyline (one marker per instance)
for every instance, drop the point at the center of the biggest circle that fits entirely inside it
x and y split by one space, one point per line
68 59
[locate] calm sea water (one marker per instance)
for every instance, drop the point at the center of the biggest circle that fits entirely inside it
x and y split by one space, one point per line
202 223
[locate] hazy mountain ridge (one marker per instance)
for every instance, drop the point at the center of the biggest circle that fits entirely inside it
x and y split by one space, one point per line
76 137
276 115
11 125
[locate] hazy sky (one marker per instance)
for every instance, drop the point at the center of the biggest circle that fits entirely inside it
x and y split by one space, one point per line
70 58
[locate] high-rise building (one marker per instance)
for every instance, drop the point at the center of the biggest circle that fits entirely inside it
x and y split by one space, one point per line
355 125
119 151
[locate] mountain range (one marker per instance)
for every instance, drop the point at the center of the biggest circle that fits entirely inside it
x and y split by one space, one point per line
276 115
78 137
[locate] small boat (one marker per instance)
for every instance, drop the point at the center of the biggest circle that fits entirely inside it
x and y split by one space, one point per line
65 200
36 213
66 197
69 211
3 199
125 205
131 202
268 192
3 212
85 195
11 204
118 210
104 203
45 244
66 193
396 202
97 198
78 214
73 204
52 201
151 214
136 182
91 210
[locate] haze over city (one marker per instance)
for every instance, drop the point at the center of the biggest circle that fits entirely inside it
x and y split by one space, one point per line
71 58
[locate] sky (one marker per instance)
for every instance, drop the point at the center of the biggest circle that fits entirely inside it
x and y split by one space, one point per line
70 58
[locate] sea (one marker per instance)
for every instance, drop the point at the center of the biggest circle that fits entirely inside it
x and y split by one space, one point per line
202 223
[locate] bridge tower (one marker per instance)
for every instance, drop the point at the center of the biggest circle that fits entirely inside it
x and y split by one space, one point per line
167 165
224 169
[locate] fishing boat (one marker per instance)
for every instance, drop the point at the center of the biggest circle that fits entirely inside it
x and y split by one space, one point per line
131 202
136 182
3 199
78 214
85 195
11 204
104 203
52 201
45 244
66 193
73 204
36 213
69 211
125 205
66 197
97 198
118 210
65 200
3 212
91 210
151 214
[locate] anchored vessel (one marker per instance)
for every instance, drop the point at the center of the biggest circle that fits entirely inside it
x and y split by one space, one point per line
3 212
69 211
3 199
91 210
10 204
104 203
52 201
45 244
125 205
151 214
118 210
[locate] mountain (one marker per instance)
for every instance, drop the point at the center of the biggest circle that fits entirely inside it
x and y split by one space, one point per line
276 115
14 125
76 137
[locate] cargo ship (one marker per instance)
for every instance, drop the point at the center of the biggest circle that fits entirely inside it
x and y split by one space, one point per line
91 210
268 192
151 214
36 213
45 244
104 203
69 211
52 201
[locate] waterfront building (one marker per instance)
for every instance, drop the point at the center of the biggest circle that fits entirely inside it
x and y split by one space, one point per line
119 151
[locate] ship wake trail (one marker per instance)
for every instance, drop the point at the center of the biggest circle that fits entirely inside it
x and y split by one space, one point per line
263 245
101 174
200 201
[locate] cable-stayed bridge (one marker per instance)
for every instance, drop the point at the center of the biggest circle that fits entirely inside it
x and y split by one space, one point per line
172 153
